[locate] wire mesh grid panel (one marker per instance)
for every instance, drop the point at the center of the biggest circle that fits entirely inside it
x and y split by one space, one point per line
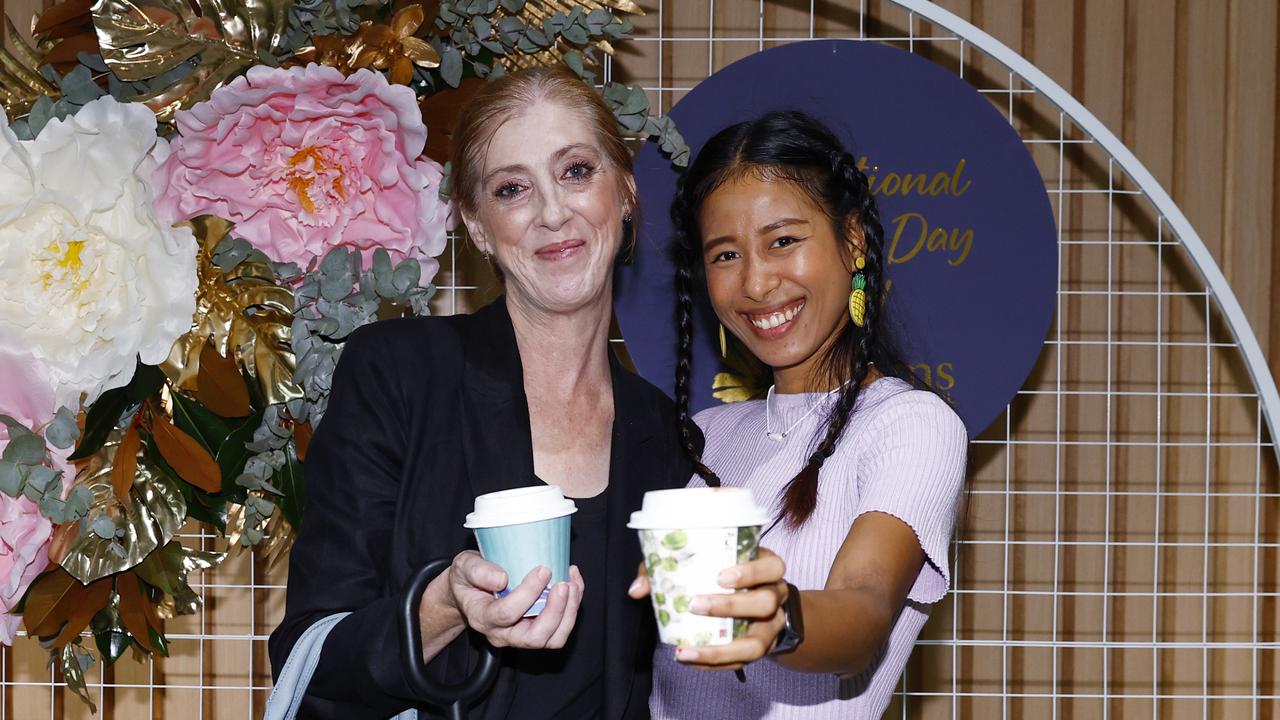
1120 546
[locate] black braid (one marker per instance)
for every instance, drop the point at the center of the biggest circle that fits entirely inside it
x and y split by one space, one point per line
801 496
684 262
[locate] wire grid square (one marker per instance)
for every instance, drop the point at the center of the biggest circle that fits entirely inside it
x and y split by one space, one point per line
1120 548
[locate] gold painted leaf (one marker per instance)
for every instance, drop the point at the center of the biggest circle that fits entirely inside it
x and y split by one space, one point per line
168 569
21 84
141 39
155 511
245 315
68 660
746 379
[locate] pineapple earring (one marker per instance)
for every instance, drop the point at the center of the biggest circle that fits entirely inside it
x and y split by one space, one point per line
858 294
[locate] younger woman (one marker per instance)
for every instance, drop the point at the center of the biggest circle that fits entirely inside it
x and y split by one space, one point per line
776 221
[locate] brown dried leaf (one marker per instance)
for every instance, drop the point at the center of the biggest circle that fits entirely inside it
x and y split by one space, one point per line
302 440
133 608
95 597
186 455
45 610
125 466
63 12
219 384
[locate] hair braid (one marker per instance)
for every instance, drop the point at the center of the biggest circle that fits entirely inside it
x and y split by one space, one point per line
685 259
801 495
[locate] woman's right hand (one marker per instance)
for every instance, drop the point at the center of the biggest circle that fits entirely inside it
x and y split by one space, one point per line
472 582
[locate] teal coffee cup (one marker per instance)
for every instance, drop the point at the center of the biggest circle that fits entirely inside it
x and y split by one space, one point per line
521 529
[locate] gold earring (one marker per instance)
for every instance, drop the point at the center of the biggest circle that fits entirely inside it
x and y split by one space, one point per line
858 294
724 345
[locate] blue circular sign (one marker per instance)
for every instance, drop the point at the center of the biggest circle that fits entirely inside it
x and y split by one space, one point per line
970 239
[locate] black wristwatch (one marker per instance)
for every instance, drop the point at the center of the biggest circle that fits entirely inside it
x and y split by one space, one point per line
792 633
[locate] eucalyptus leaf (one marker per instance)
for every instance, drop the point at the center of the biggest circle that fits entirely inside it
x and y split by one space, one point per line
43 478
24 448
62 431
41 113
451 66
575 34
10 478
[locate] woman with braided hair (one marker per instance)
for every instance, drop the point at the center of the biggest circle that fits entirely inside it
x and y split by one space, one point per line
775 221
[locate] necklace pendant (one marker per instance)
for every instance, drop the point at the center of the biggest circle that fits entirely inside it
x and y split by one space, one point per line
777 436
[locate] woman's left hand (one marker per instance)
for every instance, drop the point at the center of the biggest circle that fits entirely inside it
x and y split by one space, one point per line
763 593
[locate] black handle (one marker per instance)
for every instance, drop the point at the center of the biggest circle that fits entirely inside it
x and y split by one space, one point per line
454 698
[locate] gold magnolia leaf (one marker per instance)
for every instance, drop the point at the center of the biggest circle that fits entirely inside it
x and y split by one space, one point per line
149 520
20 83
168 569
69 662
730 388
245 316
142 39
746 379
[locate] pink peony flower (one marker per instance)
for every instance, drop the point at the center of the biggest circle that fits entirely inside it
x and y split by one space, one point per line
24 554
26 395
305 159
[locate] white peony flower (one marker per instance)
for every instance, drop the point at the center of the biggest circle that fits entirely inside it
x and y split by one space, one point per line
89 280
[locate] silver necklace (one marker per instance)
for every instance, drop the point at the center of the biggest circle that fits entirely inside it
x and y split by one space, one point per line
780 436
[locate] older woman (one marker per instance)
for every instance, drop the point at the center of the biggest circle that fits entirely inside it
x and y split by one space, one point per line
428 413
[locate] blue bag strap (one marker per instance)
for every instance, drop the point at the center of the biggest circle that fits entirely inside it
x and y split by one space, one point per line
294 678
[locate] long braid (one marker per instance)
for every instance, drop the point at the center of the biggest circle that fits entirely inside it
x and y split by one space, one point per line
801 495
684 285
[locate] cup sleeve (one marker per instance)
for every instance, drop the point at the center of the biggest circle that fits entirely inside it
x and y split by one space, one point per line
914 470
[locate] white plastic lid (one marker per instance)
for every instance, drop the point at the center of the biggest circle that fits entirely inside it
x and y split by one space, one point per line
698 507
521 505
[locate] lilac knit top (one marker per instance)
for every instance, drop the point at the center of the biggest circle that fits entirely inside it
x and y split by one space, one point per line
903 453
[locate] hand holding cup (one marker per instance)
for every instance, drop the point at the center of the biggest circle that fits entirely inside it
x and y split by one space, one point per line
474 584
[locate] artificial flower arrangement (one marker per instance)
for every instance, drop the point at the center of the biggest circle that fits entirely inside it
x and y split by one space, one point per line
198 203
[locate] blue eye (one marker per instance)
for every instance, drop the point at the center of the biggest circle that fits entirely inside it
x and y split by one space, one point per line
507 190
579 171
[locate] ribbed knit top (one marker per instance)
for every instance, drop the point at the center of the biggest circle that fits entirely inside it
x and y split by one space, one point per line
903 453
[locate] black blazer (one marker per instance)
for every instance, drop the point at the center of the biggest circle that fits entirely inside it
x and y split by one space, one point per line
424 415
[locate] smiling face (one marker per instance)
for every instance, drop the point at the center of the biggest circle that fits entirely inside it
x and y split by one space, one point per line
777 274
550 209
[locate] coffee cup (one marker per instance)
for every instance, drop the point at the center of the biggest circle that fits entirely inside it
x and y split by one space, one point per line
688 536
521 529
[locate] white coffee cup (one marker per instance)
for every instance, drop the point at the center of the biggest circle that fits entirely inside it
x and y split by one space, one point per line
688 537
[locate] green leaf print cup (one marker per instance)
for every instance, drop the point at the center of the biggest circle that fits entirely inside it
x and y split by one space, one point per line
688 537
